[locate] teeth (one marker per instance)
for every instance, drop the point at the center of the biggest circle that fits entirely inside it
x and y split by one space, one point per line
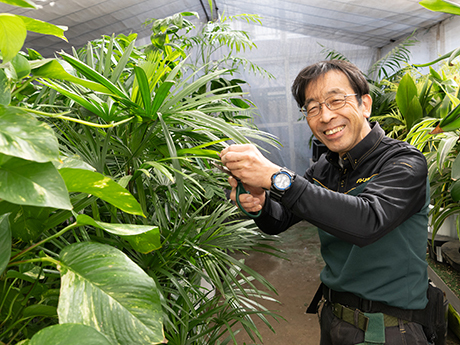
334 130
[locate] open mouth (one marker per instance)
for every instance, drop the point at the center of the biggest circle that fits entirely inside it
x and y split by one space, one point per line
334 130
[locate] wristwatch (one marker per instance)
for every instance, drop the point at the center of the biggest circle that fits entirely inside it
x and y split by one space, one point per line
281 182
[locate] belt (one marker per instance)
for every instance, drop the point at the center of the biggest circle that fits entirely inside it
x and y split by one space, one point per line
351 300
358 319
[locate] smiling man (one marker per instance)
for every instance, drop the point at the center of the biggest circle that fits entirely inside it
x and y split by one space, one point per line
368 196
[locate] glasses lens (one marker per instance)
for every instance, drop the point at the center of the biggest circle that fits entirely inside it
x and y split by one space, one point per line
312 109
335 102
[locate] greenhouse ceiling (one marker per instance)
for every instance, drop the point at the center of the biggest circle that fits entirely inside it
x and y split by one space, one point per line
372 23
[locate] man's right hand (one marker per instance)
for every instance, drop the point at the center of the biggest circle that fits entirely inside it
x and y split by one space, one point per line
248 164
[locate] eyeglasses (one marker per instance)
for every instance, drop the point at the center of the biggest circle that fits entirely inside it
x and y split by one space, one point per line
333 102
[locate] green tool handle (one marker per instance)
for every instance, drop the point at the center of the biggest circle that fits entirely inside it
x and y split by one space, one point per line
240 190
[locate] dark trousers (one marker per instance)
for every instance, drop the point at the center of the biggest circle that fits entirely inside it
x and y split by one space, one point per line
335 331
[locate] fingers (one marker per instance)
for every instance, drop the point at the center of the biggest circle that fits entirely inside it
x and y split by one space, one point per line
233 182
236 153
248 164
237 148
249 203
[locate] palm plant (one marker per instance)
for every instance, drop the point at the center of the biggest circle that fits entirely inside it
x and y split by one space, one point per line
153 128
215 45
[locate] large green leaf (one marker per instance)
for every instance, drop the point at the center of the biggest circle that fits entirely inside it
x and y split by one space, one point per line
45 28
406 92
5 242
35 310
145 242
23 136
69 334
21 66
55 70
20 3
455 191
101 287
73 162
27 222
444 150
13 33
90 182
5 89
143 238
455 174
414 112
25 182
441 6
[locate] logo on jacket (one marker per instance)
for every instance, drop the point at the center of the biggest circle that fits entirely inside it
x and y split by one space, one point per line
362 180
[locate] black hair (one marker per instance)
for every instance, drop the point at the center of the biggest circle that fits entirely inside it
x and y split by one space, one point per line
311 73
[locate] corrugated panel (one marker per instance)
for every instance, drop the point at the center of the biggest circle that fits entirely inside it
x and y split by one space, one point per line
89 19
371 23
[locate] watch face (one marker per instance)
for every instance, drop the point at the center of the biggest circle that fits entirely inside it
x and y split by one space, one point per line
282 181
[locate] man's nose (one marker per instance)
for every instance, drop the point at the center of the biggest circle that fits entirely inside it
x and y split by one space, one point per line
326 114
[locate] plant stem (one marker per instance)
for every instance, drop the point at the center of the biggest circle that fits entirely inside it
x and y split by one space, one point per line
14 93
57 234
72 119
5 296
25 325
55 262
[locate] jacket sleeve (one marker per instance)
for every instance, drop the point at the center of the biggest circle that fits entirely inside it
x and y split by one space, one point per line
275 217
397 192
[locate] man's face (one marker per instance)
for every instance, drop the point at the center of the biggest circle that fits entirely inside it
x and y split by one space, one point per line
340 130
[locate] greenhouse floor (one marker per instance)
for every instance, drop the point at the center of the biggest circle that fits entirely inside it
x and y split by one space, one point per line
296 281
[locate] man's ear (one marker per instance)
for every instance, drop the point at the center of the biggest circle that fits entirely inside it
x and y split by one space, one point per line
367 105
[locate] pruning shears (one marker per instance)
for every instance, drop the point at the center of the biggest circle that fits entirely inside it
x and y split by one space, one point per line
239 190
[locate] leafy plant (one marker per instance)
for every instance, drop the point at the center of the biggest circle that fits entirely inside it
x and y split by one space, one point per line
440 147
14 30
437 135
136 132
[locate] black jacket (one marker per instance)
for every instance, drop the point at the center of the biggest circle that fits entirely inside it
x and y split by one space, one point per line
382 182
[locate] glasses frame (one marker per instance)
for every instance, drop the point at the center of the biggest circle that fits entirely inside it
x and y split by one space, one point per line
304 111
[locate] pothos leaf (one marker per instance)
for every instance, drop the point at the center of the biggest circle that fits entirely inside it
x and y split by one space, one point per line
114 295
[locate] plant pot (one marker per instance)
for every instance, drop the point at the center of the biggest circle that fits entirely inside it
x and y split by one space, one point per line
451 253
446 233
434 249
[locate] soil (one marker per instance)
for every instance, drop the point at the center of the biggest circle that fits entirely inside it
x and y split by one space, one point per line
296 280
449 275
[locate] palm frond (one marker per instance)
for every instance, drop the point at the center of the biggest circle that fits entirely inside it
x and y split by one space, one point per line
332 54
392 64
